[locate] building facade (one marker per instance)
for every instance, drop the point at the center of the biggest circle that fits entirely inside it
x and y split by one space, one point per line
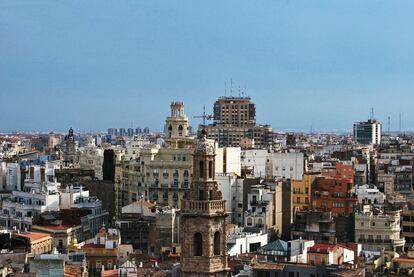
203 219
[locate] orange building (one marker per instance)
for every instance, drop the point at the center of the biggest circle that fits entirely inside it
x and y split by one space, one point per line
34 243
341 171
333 191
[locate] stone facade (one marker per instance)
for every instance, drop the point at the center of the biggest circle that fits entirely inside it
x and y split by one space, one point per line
203 219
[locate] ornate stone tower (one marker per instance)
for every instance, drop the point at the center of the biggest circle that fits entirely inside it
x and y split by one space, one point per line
70 151
203 219
176 125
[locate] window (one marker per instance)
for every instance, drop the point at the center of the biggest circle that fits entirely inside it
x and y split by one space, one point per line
98 264
201 194
109 264
217 242
198 244
210 169
201 169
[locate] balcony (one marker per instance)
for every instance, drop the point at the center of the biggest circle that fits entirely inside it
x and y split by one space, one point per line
200 206
259 203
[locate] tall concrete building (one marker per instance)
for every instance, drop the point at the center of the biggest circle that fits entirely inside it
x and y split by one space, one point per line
368 132
203 219
235 111
235 124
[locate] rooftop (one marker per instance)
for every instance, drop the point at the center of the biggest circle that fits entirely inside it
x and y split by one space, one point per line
33 235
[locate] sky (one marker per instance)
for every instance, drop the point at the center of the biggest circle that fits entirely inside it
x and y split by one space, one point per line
97 64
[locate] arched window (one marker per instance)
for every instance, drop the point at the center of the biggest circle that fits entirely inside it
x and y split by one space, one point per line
180 128
169 128
201 169
217 243
198 244
210 169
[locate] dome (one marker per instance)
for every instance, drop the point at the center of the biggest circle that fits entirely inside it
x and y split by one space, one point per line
204 146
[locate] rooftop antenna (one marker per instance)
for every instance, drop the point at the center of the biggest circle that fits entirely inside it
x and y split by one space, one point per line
245 89
239 91
225 88
389 124
399 123
372 113
231 87
204 116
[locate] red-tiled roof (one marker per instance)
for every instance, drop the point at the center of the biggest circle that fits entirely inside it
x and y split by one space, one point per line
33 235
323 247
110 273
403 260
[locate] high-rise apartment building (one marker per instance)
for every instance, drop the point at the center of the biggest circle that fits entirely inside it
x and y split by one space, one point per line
112 131
235 124
235 111
367 132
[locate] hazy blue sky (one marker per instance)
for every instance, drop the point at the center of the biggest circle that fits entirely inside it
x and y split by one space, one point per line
98 64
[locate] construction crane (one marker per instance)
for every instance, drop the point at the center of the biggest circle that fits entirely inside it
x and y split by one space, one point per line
204 116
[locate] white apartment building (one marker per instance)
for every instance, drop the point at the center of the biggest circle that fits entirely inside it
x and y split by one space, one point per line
261 212
228 160
231 187
379 231
369 194
288 165
10 178
240 242
367 132
255 160
36 198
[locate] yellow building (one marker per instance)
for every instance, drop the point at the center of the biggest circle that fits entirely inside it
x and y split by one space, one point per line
301 192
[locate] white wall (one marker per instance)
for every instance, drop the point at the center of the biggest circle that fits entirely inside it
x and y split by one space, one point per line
256 159
242 243
287 165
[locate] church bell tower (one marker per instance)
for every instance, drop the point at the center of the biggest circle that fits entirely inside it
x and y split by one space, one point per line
203 218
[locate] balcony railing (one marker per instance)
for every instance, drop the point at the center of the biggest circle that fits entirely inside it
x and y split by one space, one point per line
200 206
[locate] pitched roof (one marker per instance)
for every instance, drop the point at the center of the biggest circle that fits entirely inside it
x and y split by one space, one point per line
277 245
323 247
33 235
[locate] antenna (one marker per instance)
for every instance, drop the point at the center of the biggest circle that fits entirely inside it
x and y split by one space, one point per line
389 124
399 123
204 116
225 88
231 87
372 113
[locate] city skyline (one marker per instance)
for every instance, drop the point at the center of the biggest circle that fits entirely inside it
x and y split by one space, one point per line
109 64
